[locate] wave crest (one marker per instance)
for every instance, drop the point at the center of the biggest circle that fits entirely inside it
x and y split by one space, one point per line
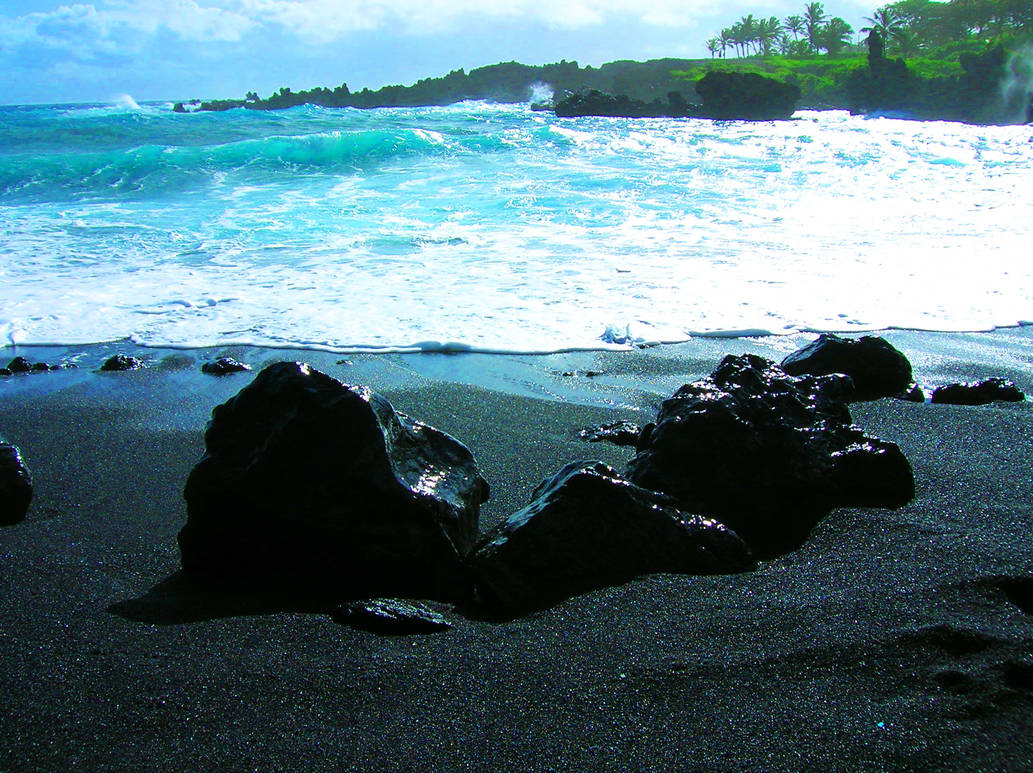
155 169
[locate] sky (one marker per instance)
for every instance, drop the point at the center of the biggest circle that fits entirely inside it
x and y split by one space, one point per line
54 52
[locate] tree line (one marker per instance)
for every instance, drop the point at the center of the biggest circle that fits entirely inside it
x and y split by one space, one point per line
908 27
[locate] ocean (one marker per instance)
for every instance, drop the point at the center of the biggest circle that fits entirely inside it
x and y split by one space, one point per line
495 228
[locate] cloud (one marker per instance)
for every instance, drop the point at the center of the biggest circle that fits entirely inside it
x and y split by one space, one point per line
324 20
107 25
87 31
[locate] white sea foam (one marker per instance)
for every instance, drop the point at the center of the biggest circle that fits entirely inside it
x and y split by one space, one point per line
472 227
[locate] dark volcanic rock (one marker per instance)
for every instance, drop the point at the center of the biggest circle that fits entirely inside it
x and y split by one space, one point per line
725 95
586 528
22 365
390 616
620 433
768 454
121 362
885 84
746 96
877 368
323 484
15 485
595 102
988 90
913 394
979 392
224 366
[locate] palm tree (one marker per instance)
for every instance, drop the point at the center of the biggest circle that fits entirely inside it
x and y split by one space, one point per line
813 19
749 30
737 32
794 24
884 21
726 40
768 31
713 46
733 37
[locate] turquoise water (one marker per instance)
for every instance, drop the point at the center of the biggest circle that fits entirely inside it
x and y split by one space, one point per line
500 229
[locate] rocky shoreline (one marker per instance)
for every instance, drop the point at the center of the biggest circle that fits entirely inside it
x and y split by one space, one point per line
988 92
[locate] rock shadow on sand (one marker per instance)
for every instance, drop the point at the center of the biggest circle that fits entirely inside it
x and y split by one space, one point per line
180 599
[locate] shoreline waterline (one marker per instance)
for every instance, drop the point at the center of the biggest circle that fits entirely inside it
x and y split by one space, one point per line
627 379
436 347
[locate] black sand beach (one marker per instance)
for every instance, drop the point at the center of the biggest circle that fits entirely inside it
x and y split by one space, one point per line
891 640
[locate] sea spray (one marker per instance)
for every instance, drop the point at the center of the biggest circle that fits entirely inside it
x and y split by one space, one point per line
541 93
1017 86
126 101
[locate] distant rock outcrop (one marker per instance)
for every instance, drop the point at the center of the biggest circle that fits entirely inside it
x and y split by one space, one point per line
986 92
15 485
877 368
768 454
306 480
746 96
725 95
886 84
587 528
598 103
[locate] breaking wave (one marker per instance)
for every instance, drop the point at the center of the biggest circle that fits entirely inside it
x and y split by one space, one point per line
155 169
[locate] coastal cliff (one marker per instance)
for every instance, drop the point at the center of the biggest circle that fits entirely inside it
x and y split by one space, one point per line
990 90
725 95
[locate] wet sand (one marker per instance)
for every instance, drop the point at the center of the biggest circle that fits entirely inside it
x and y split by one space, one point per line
892 639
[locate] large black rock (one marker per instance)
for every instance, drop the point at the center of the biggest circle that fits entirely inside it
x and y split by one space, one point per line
595 102
979 392
310 480
746 96
767 454
725 95
878 369
587 528
15 485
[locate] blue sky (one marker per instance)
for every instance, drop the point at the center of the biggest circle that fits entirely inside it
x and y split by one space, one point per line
181 49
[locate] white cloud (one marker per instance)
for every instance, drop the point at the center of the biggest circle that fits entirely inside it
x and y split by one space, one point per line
185 18
121 26
324 20
109 27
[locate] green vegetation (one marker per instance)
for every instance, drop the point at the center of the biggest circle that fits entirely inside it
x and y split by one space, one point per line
822 80
818 52
909 28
